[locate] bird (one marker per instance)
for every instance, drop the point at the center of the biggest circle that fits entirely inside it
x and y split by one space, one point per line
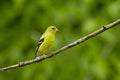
46 41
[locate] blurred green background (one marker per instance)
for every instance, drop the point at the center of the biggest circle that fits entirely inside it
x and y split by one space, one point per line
23 21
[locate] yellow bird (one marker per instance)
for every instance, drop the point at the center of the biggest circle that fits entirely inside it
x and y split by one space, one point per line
46 41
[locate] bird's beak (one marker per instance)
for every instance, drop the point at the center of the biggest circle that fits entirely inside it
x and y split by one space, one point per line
57 29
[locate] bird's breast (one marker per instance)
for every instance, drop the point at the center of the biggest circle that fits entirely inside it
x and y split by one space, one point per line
47 44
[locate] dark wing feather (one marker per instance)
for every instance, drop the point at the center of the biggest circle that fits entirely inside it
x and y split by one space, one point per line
38 45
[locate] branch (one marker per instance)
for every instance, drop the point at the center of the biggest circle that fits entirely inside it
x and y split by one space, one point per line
81 40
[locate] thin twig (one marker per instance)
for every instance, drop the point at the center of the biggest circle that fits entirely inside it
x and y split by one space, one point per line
81 40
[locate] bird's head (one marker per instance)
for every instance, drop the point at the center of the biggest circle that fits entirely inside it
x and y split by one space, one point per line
52 29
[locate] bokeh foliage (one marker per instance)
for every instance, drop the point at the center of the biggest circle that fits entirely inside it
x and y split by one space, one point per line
23 21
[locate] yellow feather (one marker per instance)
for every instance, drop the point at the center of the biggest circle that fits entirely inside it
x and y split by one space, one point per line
49 38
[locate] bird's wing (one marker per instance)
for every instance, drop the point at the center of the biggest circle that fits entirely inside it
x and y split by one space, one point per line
38 45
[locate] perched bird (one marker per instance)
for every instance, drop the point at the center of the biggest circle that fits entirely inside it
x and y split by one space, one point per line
46 41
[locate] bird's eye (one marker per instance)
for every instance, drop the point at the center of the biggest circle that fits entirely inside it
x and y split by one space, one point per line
53 28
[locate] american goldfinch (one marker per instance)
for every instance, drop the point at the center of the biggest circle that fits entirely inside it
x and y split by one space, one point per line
46 41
